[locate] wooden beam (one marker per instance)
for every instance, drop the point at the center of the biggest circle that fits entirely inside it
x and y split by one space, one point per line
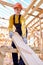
8 49
32 33
35 17
41 39
28 8
35 28
3 39
1 58
34 24
37 6
30 22
11 5
37 36
30 14
38 24
3 27
8 4
5 3
39 9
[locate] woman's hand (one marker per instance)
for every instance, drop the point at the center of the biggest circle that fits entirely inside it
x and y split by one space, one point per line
25 39
11 34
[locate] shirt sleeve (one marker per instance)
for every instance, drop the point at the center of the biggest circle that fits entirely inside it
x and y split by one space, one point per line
10 27
23 26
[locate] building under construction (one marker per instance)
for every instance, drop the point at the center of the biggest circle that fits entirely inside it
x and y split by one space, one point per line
31 51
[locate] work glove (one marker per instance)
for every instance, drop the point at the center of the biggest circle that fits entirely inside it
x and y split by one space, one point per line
11 34
25 40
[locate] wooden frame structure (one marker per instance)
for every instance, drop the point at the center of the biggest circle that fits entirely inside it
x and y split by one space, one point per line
38 23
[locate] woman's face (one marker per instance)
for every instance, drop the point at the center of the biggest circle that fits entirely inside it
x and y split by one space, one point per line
17 11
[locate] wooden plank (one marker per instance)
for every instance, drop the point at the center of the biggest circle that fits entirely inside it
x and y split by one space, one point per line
39 9
8 49
29 58
37 6
35 17
34 23
28 8
36 28
5 3
1 58
31 5
5 49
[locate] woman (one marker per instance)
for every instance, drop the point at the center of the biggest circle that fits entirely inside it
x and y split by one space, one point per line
19 22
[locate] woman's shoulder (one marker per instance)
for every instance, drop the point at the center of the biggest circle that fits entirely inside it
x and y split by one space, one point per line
22 17
11 16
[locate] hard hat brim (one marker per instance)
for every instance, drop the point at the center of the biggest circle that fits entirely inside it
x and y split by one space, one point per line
18 5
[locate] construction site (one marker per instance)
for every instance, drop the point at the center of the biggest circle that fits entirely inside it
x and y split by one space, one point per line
30 51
